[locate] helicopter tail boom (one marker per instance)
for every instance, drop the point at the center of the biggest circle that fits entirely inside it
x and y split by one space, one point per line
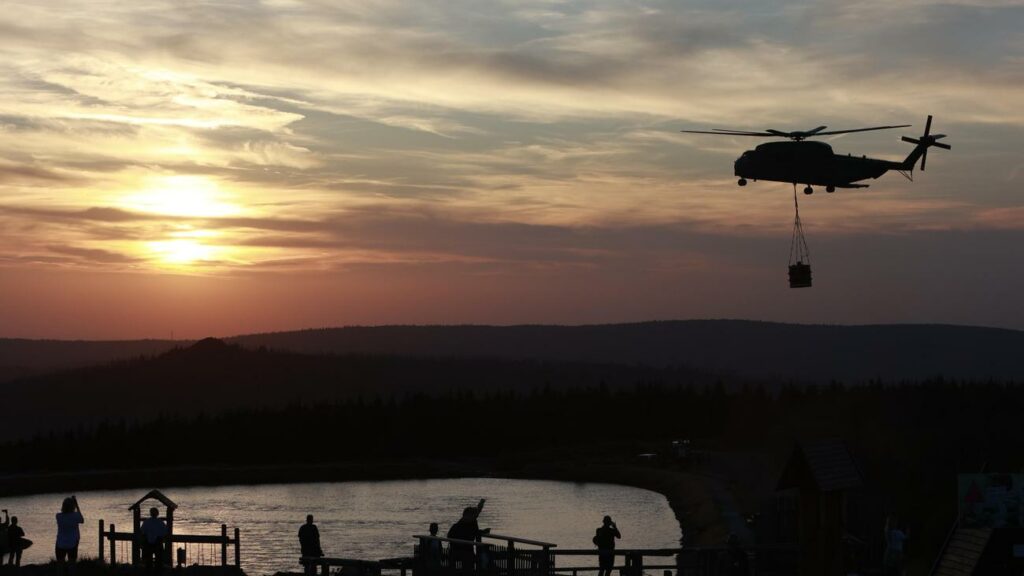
922 144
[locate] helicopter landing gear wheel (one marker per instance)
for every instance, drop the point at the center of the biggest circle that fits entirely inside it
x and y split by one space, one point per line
742 181
830 189
808 190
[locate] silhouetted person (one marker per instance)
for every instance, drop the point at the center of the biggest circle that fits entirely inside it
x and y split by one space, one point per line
462 555
68 520
894 539
432 551
309 542
735 561
604 539
153 531
16 543
4 527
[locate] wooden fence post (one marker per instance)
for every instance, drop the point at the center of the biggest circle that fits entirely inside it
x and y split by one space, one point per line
238 552
223 544
101 541
113 546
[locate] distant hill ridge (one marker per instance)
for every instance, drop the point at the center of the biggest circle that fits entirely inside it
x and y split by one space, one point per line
23 357
763 350
214 377
815 353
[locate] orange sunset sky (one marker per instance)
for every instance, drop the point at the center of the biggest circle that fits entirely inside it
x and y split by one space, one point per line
192 168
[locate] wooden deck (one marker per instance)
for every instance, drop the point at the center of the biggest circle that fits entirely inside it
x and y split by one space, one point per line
963 551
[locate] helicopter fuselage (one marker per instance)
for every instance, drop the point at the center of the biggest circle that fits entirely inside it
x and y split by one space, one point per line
809 163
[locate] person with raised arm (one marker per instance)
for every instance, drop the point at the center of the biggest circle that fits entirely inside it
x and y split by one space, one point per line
463 554
68 535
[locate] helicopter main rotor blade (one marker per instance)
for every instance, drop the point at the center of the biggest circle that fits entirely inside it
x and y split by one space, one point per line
795 135
941 145
728 133
830 132
744 132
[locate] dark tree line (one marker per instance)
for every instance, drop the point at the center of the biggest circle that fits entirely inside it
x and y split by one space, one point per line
949 424
911 439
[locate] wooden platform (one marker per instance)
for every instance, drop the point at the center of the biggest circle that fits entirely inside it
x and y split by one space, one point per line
962 553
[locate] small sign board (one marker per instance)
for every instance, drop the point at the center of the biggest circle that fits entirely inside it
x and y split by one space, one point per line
991 500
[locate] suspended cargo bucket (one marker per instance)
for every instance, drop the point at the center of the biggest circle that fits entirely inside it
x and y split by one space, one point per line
799 254
800 275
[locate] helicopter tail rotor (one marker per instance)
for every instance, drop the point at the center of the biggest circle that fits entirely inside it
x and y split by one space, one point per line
926 141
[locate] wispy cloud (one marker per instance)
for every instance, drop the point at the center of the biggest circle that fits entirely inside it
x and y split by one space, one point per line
253 136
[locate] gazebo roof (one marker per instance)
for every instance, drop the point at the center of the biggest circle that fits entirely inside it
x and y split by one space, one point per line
824 465
156 495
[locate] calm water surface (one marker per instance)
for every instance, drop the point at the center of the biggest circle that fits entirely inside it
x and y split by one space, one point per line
369 520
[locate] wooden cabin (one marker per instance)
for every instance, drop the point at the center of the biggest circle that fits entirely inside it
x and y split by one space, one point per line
821 473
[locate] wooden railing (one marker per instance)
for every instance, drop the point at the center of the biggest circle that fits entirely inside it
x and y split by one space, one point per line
549 561
498 555
508 557
111 537
633 563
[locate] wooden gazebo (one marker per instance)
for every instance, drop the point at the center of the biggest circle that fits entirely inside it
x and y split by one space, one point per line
137 518
186 554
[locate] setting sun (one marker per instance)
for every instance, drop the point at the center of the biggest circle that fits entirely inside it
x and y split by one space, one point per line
184 202
181 195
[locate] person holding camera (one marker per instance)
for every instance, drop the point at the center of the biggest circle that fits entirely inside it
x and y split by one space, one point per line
604 539
68 535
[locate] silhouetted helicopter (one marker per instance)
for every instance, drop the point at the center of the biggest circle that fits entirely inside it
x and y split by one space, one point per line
814 163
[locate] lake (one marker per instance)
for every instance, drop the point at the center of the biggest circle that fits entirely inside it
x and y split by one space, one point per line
367 520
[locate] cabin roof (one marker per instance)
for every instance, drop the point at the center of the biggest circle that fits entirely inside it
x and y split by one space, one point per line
156 495
824 464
